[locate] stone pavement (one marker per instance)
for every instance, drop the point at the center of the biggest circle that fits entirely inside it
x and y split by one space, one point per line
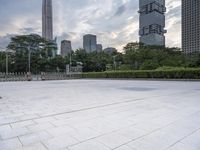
100 115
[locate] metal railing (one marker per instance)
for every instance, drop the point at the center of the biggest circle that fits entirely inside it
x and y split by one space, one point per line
44 76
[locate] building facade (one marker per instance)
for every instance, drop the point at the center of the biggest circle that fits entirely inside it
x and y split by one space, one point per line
152 22
110 50
47 20
66 48
90 43
99 48
190 26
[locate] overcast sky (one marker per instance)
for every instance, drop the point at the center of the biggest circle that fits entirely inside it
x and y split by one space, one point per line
115 22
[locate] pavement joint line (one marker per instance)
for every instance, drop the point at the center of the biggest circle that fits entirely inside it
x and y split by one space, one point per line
179 141
126 142
116 130
73 111
19 141
44 145
95 138
156 131
90 108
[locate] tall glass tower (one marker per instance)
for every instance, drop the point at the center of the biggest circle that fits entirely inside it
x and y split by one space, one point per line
47 20
190 26
90 43
152 22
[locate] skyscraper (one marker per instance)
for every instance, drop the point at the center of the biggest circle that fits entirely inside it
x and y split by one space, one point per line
99 48
110 50
90 43
190 26
66 48
47 20
152 22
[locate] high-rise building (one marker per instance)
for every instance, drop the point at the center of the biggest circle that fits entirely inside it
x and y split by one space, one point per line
66 48
90 43
152 22
47 20
99 47
110 50
190 26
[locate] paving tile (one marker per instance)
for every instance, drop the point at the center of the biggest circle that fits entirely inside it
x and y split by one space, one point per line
124 147
12 133
22 124
44 120
58 131
132 132
37 146
60 142
180 146
84 134
34 138
5 128
40 127
113 140
10 144
100 114
89 145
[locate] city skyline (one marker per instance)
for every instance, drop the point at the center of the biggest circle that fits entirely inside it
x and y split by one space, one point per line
117 29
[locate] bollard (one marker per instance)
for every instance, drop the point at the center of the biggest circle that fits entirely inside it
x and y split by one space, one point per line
43 78
29 77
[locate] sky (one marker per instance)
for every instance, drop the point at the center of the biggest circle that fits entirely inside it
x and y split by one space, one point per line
115 22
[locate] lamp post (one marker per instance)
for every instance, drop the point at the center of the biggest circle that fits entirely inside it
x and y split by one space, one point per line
114 62
70 62
6 63
7 51
29 59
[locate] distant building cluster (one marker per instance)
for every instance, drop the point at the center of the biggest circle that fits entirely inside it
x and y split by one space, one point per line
89 41
151 27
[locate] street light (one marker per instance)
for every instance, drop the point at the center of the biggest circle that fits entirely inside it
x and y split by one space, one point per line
114 62
7 51
70 62
29 59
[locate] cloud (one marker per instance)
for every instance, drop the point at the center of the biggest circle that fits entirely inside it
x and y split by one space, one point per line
120 10
4 41
115 22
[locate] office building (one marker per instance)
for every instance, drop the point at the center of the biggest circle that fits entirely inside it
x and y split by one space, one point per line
90 43
66 48
152 22
110 50
99 48
190 26
47 20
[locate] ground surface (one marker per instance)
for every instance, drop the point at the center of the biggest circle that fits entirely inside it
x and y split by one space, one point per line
100 115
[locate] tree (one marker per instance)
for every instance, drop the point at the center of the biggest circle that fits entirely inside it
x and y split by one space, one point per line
2 62
34 45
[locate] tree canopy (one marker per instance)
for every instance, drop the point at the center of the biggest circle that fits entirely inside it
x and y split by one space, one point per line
134 56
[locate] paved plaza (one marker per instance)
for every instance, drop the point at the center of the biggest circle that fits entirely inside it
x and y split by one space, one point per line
100 115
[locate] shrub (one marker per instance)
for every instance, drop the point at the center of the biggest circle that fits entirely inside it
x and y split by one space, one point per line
166 74
149 64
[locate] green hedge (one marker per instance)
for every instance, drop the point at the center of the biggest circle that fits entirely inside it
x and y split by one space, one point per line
166 74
